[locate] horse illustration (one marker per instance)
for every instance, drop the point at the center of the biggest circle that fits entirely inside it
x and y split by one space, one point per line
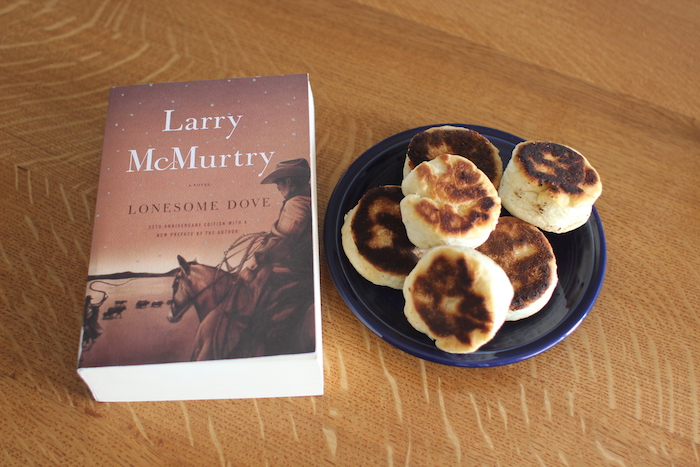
245 310
223 302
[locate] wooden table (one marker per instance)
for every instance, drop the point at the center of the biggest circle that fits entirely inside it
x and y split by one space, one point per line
616 80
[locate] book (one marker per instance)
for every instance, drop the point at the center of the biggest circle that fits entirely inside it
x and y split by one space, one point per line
203 278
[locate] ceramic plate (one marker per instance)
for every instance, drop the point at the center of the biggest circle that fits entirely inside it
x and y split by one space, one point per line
580 257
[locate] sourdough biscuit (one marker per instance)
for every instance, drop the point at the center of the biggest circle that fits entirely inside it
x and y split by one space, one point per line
549 185
449 201
458 297
374 238
447 139
527 258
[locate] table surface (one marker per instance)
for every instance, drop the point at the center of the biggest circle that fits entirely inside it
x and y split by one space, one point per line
616 80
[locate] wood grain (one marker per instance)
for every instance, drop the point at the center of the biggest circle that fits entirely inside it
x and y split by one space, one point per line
618 81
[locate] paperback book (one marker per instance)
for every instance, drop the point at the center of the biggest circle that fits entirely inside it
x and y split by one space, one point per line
203 280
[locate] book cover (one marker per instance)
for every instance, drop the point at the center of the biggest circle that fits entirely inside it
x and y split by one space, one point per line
203 280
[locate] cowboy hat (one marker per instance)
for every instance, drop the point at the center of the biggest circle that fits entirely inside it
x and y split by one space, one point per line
295 168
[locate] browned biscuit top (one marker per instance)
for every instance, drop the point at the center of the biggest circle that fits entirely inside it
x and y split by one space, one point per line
449 279
450 220
464 142
525 255
560 167
467 202
380 234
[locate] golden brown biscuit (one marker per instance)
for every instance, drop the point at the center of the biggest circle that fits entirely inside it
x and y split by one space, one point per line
550 185
449 201
460 141
374 238
457 297
527 258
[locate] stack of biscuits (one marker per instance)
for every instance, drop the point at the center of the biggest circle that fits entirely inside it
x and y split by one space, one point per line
441 238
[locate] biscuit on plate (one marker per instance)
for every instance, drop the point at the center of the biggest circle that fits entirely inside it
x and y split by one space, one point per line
374 238
458 297
448 139
527 258
549 185
449 201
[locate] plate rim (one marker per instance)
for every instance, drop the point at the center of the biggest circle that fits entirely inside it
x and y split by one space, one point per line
333 250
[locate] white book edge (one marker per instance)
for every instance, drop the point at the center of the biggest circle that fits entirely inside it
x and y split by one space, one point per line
258 377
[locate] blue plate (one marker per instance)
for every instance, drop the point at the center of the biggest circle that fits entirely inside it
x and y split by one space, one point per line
580 257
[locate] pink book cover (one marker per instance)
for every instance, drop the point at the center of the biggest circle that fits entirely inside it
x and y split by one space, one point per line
205 244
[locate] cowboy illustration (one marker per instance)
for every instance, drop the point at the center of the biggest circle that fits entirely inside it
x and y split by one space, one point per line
91 327
284 321
265 306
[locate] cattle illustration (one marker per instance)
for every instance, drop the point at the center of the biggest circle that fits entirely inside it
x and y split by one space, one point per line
114 312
